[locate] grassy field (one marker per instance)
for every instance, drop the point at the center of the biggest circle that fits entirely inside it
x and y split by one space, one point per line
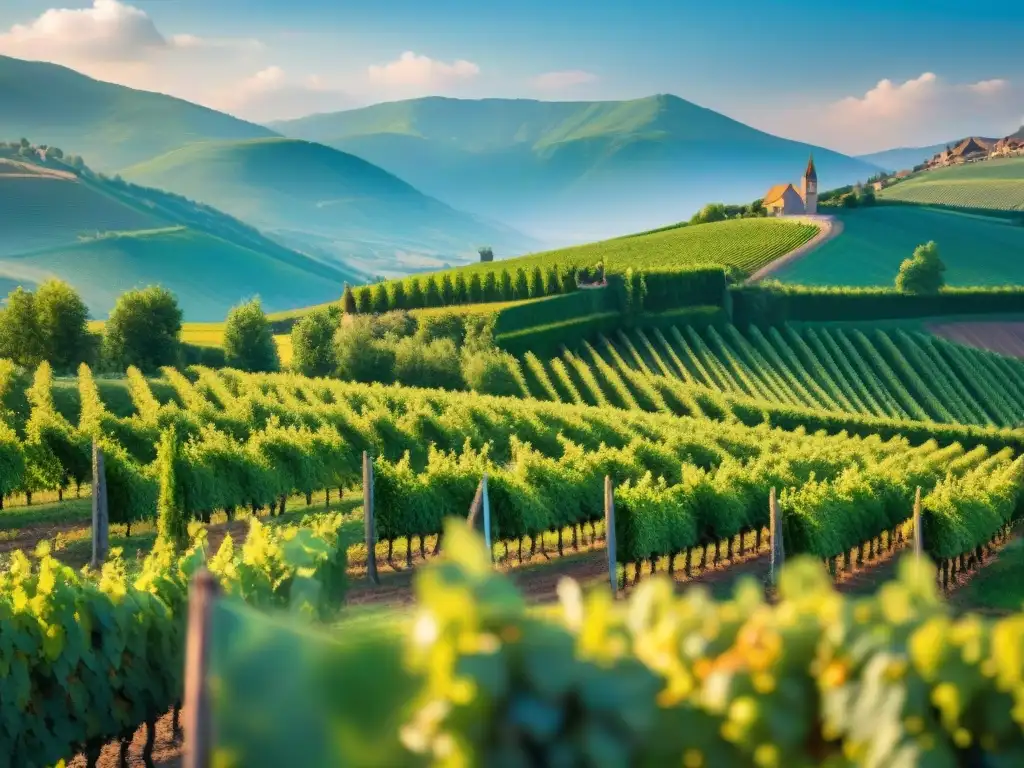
976 250
996 184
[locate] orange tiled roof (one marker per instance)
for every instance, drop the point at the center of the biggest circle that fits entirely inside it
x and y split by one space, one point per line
776 193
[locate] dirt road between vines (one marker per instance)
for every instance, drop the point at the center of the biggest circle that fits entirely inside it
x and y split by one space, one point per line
828 227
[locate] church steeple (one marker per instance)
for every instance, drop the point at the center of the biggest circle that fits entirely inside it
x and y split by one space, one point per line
809 188
810 174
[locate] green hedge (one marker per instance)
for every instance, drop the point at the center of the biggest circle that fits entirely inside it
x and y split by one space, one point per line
554 309
773 303
674 288
548 339
995 213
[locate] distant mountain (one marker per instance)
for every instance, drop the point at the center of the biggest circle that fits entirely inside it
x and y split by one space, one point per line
109 125
579 170
904 158
327 202
105 236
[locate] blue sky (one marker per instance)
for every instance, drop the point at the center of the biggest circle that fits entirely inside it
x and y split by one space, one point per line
801 69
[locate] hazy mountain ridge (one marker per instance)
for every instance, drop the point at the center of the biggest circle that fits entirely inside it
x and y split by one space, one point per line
594 168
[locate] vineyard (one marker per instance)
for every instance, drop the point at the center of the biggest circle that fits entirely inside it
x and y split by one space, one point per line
691 493
878 374
993 184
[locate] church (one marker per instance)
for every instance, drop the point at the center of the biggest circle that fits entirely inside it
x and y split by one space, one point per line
785 200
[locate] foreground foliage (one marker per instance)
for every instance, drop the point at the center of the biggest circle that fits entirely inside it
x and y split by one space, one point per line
815 679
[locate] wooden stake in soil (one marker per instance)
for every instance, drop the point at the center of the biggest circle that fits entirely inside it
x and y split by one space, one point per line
609 530
368 521
487 517
199 730
778 550
100 513
918 535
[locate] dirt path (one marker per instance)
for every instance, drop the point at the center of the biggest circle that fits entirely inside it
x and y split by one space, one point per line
828 227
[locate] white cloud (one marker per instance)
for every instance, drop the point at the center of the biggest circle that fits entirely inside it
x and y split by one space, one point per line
556 81
271 94
410 70
107 31
917 112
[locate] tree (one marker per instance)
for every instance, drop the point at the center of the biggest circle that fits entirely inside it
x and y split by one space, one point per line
21 339
490 287
249 340
364 300
709 213
143 330
476 289
551 285
486 254
396 295
461 290
433 293
567 279
380 297
361 357
63 325
313 343
922 273
521 287
491 372
507 289
416 298
535 283
849 200
348 300
447 290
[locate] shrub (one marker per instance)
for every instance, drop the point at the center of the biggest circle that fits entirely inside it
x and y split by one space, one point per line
461 290
447 290
416 298
521 286
433 364
249 341
433 293
476 289
491 292
312 343
364 300
922 273
359 355
380 297
490 372
396 295
348 300
506 288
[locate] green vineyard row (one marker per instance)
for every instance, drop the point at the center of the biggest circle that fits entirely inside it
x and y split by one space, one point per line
86 660
817 679
879 374
253 440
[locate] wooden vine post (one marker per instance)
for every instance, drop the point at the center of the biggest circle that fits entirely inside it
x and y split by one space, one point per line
370 527
609 531
778 550
480 514
918 533
100 513
199 727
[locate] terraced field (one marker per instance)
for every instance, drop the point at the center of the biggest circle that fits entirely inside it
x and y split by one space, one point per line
995 184
893 375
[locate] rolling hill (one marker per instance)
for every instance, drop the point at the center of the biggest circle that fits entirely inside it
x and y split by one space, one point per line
327 202
996 184
976 250
576 170
901 158
111 126
105 236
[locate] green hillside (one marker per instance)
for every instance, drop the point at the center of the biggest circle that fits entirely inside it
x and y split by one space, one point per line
206 273
109 125
328 200
104 236
581 170
745 244
996 184
977 250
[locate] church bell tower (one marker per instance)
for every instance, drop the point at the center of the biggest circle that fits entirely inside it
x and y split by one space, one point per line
809 188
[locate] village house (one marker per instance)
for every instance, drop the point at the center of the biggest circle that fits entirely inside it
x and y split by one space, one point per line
785 200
